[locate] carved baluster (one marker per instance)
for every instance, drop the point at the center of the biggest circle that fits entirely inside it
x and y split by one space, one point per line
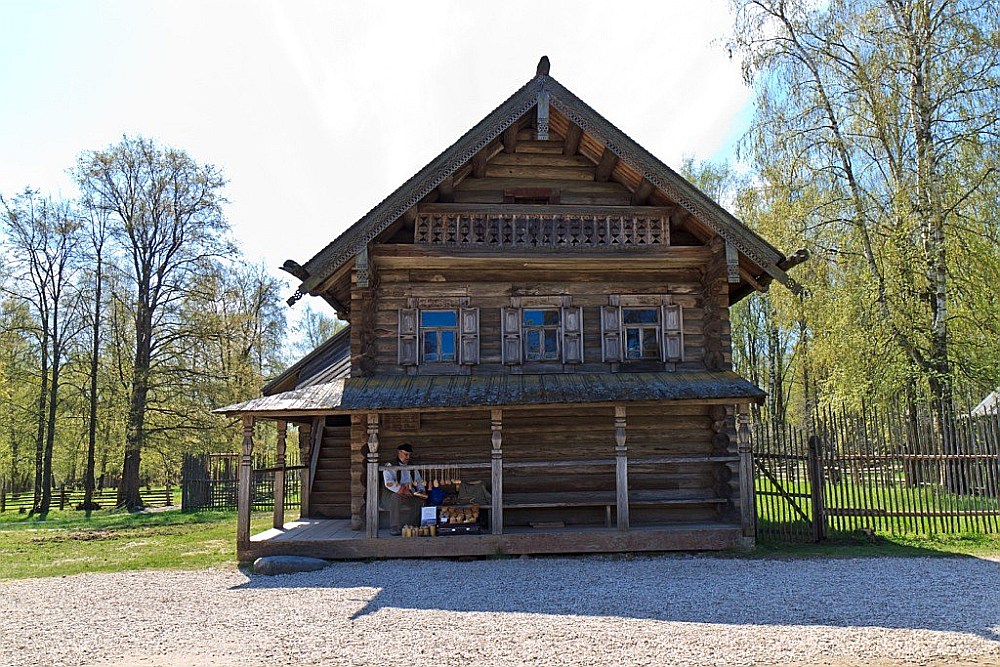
373 481
621 469
279 476
496 468
243 497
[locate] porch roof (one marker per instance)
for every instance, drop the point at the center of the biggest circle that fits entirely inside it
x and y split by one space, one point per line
409 392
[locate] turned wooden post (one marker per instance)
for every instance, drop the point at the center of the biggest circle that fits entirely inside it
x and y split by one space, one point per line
373 480
621 468
279 476
243 497
496 467
305 456
743 447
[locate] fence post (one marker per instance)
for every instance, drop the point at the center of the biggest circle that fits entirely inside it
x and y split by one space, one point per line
3 495
169 499
816 480
62 497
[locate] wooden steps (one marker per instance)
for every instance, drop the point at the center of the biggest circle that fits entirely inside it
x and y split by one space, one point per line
331 489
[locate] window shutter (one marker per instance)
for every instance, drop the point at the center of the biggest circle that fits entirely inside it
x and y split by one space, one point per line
611 333
408 337
673 337
469 333
572 335
510 327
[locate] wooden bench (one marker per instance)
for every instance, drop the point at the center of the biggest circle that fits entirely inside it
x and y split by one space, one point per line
605 499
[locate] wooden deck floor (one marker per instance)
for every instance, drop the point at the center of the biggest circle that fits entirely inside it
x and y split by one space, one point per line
334 539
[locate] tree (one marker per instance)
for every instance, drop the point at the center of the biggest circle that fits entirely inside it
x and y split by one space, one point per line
43 236
891 113
313 329
97 232
165 215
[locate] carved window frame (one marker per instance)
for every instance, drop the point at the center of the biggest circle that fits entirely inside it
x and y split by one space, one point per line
569 333
669 328
410 348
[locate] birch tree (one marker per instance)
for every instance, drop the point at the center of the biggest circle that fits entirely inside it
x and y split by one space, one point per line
876 104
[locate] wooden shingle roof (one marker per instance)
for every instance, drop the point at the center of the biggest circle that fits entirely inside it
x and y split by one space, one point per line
409 392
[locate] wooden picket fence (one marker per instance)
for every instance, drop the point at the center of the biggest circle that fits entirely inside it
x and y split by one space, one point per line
210 482
878 472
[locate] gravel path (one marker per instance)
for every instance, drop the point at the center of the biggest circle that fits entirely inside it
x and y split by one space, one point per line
653 610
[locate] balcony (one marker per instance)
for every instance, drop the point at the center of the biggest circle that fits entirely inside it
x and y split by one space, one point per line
543 227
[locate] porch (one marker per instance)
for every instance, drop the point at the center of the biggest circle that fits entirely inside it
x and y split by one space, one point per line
334 539
652 462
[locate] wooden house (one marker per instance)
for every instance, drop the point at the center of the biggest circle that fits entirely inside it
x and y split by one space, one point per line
543 308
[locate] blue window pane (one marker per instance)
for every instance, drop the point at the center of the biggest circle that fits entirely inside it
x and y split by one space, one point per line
633 349
650 344
438 318
539 318
430 346
551 344
533 345
447 346
532 318
640 316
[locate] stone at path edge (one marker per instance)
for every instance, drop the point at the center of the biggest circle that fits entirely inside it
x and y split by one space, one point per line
270 565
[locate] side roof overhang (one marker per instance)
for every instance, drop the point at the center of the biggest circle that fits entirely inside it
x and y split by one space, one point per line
335 255
331 360
436 392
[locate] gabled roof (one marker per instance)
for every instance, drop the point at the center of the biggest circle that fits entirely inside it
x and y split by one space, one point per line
376 221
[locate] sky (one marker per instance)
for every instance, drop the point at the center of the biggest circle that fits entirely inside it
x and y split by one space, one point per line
317 110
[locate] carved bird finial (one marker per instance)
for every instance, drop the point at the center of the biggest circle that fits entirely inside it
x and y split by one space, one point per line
543 66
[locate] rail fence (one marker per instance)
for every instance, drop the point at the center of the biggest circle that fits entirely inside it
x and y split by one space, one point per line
71 497
891 472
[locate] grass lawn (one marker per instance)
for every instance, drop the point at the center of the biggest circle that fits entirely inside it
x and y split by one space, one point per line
67 543
859 545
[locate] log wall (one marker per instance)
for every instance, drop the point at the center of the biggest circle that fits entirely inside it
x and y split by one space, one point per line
700 294
557 433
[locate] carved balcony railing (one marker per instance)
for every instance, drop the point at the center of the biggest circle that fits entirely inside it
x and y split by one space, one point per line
626 229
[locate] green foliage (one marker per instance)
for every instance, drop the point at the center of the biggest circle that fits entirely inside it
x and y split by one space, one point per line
216 333
875 145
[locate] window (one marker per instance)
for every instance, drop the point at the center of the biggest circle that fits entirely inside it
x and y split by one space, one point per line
438 335
642 333
540 332
644 328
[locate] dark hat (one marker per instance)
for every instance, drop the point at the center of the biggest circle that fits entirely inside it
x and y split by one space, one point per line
405 447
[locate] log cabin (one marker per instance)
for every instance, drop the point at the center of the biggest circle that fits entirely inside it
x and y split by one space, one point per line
543 313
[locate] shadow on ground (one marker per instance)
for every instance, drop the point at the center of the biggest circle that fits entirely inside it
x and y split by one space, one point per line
931 593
